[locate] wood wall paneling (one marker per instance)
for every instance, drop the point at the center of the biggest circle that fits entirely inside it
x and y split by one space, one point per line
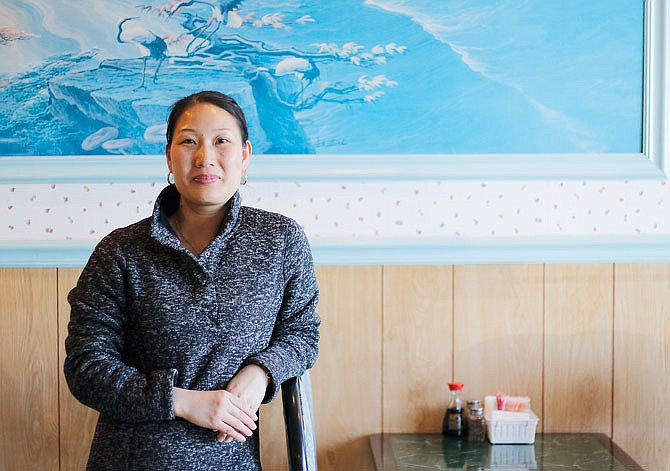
642 363
498 330
417 349
347 375
28 366
77 420
597 333
578 348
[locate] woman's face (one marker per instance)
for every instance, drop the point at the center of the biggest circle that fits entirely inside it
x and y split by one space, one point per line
207 157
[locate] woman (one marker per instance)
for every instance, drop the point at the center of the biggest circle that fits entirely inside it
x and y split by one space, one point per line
184 323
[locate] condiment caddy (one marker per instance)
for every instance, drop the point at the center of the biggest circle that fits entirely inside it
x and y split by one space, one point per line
503 419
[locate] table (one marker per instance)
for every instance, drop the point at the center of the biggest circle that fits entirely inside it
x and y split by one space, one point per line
552 451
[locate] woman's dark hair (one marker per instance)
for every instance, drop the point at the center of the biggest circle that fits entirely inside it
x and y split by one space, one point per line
221 100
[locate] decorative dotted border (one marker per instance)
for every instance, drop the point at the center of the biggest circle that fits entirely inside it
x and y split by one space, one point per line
362 210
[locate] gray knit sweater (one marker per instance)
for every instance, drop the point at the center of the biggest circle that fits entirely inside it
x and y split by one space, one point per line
146 315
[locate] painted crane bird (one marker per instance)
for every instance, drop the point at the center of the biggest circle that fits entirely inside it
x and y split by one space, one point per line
220 7
203 29
149 44
305 71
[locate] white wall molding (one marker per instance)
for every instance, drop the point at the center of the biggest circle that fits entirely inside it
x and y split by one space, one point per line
456 251
306 168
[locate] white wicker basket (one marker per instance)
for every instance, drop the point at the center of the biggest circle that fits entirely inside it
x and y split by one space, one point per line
510 431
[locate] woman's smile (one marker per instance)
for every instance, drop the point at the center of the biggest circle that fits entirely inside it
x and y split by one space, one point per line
206 178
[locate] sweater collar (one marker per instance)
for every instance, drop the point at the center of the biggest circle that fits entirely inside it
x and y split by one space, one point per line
168 202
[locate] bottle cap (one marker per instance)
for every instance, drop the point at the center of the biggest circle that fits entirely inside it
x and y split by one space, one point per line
455 386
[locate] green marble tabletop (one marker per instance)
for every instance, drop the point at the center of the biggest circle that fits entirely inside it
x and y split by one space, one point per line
559 451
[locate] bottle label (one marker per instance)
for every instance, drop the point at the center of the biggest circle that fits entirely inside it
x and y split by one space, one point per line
455 420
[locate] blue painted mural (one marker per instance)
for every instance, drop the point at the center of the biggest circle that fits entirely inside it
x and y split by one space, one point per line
322 77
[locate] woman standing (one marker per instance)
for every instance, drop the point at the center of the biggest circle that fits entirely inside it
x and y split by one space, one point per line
183 323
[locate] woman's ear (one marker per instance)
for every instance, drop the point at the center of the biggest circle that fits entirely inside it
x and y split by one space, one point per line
168 157
246 154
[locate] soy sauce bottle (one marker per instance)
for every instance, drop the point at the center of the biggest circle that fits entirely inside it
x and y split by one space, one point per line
454 424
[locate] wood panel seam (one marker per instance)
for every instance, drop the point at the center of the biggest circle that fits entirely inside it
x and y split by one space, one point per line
613 347
58 384
453 322
381 345
544 338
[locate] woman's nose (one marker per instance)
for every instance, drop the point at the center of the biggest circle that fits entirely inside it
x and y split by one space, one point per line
204 156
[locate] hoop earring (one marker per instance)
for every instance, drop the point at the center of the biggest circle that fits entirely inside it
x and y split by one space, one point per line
168 178
243 180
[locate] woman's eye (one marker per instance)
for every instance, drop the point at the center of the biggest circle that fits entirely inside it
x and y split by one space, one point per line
222 140
188 141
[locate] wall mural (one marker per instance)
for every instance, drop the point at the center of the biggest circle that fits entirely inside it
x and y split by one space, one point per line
323 77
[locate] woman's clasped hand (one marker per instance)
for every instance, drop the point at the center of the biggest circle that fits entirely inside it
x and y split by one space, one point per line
230 412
